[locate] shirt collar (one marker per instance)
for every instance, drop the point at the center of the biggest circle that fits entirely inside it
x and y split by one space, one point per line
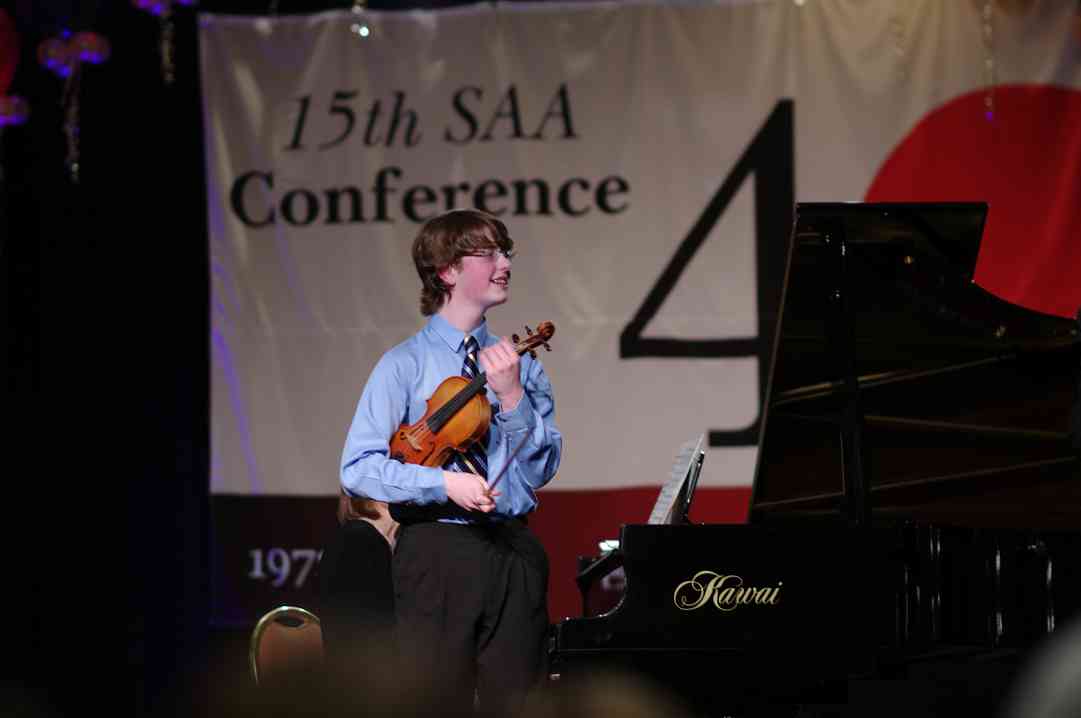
455 337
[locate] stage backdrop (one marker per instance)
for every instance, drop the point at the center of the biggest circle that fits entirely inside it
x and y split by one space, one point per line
645 158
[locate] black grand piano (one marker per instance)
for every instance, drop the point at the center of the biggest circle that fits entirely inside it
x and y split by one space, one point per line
915 522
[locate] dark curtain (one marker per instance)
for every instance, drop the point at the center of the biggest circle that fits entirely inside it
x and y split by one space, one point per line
105 317
105 324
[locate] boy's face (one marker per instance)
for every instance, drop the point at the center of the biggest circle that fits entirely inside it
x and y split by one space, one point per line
480 280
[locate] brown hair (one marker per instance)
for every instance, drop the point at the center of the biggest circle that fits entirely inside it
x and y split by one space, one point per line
352 508
444 240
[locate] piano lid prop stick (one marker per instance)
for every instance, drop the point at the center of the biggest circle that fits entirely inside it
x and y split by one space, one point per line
493 482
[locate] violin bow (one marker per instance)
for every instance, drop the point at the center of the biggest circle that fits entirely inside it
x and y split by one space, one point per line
510 459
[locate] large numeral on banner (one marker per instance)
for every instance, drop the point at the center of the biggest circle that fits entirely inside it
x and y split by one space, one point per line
770 157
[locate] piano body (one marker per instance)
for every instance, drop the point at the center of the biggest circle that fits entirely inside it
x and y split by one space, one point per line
916 506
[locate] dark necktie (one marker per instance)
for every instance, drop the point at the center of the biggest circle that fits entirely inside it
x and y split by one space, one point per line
476 454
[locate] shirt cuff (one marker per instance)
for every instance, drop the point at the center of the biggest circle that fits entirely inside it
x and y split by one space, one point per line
518 419
433 490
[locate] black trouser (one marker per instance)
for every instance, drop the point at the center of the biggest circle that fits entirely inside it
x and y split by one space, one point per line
472 612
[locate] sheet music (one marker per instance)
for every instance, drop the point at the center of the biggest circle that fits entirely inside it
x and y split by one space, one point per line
669 499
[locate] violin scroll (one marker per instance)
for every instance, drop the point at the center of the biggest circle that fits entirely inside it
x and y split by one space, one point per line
545 330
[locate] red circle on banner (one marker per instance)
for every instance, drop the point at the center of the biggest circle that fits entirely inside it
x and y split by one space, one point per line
1024 159
9 51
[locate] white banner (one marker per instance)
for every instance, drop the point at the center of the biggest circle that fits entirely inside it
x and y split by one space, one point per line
644 158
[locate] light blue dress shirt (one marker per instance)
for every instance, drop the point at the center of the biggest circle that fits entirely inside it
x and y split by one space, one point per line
397 392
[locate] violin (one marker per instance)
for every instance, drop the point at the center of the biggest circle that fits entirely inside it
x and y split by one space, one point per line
458 412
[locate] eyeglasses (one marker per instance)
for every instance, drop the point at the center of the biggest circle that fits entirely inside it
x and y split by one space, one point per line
491 254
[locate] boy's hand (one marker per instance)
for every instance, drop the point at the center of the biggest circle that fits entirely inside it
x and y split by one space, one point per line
499 362
469 491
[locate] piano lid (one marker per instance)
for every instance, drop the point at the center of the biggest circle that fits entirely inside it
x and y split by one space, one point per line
900 388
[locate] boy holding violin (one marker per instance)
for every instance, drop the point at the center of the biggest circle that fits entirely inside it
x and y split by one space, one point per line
470 579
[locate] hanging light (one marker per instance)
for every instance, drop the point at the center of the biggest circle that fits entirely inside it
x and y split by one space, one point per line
164 10
360 26
154 7
14 110
54 54
89 47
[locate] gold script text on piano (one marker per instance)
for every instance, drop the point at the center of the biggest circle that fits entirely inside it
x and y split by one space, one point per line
725 591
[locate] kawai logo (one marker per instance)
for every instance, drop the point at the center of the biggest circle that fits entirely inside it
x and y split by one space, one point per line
726 592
